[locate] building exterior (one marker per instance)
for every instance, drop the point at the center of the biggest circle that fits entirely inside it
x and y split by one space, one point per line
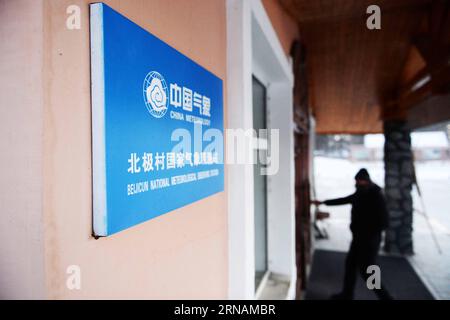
203 250
297 66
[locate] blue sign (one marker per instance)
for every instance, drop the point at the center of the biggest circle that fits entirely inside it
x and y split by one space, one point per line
157 125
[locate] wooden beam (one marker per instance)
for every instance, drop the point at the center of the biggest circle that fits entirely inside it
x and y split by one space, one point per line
440 80
438 83
414 81
434 47
431 110
415 96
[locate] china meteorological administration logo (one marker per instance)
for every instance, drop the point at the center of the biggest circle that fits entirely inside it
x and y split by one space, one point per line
155 94
195 106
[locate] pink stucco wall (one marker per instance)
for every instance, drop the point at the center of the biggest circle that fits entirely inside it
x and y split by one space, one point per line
182 254
45 185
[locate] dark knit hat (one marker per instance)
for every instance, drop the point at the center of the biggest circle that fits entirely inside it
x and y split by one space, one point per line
362 175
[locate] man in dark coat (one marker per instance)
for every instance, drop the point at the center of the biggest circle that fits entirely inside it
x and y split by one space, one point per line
369 217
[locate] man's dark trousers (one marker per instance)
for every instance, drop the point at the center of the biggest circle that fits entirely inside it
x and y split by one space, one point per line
363 253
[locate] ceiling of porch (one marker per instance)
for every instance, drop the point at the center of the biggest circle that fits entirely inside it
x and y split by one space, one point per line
355 74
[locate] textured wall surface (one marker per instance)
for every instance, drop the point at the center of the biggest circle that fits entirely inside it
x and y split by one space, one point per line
182 254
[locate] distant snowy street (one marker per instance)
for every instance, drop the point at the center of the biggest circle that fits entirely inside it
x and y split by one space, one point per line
334 178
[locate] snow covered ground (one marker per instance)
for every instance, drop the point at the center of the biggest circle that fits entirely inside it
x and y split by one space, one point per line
334 178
